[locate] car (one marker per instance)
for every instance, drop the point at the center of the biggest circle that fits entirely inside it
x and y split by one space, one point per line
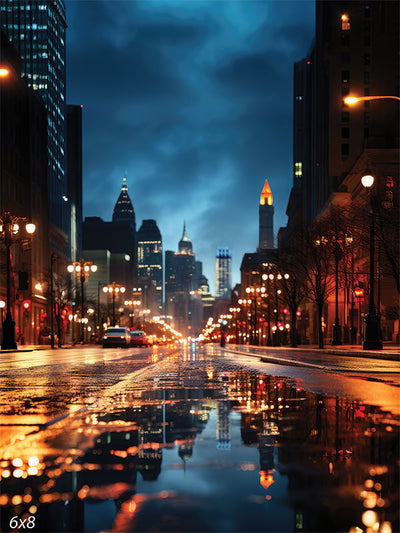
139 338
117 337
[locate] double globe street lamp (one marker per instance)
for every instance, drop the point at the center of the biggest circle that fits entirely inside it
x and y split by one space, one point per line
82 269
10 232
114 289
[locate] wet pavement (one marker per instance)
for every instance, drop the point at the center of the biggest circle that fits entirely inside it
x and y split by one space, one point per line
194 438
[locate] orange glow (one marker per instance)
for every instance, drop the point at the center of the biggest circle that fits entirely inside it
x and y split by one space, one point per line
266 195
4 72
351 100
345 17
266 479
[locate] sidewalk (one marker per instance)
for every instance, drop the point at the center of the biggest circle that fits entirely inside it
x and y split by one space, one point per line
390 352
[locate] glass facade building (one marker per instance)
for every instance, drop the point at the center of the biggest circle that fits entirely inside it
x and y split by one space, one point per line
223 268
150 256
37 30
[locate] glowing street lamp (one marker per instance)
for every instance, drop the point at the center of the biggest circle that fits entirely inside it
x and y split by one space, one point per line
351 100
372 339
114 289
82 269
9 233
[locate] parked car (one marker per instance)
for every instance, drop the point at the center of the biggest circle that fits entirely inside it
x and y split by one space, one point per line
139 338
115 337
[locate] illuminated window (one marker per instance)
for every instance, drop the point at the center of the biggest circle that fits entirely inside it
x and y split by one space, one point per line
345 76
345 22
298 169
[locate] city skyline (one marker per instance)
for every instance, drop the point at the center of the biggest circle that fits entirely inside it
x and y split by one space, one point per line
194 120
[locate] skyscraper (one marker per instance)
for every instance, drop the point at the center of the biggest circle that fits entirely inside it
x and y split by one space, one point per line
150 256
223 271
37 30
355 52
266 219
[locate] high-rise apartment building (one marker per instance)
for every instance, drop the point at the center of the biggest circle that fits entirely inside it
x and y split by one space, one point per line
150 256
37 30
223 273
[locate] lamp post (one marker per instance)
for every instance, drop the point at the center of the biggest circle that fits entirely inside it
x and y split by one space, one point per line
235 311
372 339
113 289
132 304
337 330
83 269
9 231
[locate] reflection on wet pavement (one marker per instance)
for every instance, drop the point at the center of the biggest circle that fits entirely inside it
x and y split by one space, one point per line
192 442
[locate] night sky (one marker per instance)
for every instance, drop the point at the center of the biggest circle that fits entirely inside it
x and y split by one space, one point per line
192 101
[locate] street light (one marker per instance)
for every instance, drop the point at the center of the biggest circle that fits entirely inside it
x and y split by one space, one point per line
351 100
83 269
9 231
132 304
113 289
372 339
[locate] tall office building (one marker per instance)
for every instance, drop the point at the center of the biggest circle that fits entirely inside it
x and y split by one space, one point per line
118 237
150 256
266 219
37 30
74 166
355 52
223 271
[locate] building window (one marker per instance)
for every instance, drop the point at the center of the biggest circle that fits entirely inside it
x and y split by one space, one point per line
345 149
345 133
366 77
345 58
298 169
366 133
345 90
345 76
367 40
366 118
367 10
345 22
345 39
345 116
367 59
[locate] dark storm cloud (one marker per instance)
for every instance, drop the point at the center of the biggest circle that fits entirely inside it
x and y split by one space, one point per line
193 99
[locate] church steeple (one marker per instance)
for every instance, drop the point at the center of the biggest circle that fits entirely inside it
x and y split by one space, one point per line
266 219
123 209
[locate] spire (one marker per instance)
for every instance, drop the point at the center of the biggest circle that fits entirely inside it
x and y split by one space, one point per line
123 209
185 244
266 195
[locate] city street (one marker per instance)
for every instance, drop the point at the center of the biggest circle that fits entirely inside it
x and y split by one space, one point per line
197 438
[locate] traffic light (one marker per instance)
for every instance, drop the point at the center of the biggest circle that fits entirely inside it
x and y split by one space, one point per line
26 304
23 281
